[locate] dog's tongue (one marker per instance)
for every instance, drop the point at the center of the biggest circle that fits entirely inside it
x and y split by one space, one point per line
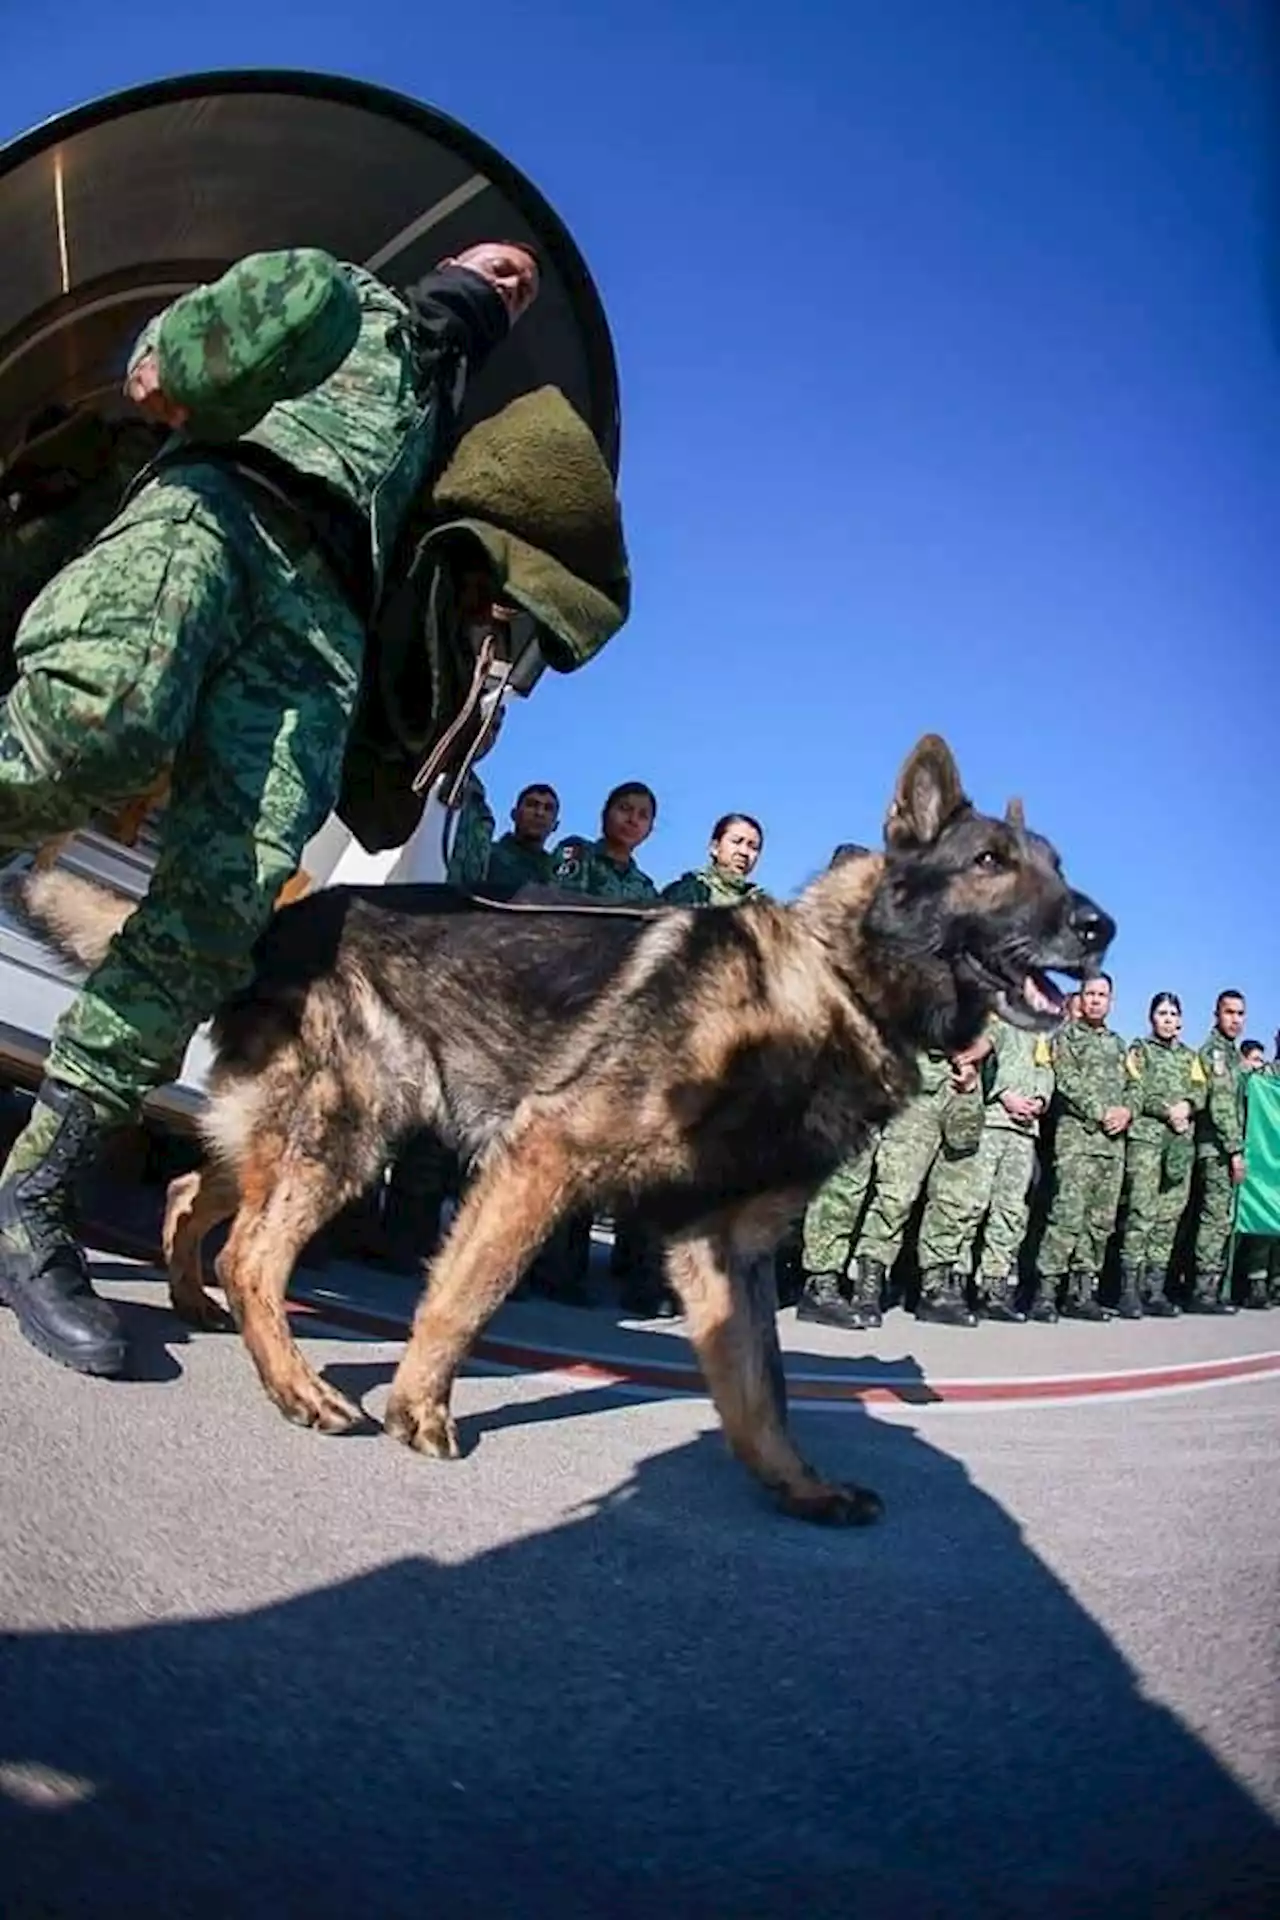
1041 995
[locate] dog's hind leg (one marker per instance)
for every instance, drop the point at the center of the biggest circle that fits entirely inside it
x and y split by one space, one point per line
195 1204
519 1196
726 1304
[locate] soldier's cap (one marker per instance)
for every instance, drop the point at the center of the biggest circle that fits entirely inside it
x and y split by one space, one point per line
531 485
275 326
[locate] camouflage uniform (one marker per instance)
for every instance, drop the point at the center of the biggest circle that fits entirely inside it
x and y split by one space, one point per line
473 837
833 1216
711 886
584 866
1158 1165
203 635
514 864
1090 1076
1219 1135
992 1184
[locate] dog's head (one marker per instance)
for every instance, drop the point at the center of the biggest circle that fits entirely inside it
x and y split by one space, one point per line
979 904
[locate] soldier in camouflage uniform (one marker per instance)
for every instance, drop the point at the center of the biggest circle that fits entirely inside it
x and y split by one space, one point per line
215 629
725 881
1219 1155
1259 1257
1167 1090
605 869
520 858
947 1103
991 1184
1091 1102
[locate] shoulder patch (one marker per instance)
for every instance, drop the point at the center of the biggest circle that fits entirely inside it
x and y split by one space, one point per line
1043 1053
1198 1076
1133 1063
1218 1064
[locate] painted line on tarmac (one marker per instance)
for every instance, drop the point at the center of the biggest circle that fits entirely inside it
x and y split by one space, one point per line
816 1390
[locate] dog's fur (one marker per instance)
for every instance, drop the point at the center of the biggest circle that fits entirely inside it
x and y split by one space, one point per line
713 1064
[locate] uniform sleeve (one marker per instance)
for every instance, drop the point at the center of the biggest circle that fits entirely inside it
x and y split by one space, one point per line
473 841
687 891
1075 1095
1222 1106
1140 1096
273 327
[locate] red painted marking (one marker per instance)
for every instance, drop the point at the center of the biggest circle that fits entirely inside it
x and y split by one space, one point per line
677 1377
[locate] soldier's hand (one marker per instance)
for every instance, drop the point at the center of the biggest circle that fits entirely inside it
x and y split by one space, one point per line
1115 1120
144 389
1180 1115
1019 1106
1237 1169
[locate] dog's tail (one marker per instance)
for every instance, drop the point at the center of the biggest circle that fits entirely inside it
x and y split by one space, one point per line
77 918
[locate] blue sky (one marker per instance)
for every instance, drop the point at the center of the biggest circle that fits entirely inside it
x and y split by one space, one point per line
951 400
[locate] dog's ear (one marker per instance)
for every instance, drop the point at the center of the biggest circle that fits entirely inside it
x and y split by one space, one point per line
928 794
1015 817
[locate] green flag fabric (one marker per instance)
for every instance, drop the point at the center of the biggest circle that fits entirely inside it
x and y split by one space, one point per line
1258 1199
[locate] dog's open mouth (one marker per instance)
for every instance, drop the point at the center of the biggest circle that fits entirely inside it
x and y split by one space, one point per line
1024 996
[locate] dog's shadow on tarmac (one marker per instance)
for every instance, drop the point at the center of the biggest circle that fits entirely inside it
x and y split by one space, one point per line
674 1702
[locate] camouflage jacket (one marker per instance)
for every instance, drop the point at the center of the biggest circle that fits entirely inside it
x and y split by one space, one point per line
1160 1074
584 866
1220 1123
1089 1076
328 369
1023 1063
711 886
513 865
472 838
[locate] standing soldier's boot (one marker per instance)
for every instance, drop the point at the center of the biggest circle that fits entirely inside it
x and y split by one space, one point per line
1206 1295
943 1298
44 1275
1156 1303
1000 1299
1082 1301
867 1292
1044 1308
823 1301
1130 1305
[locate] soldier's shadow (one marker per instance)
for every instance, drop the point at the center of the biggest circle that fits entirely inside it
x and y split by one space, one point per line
671 1702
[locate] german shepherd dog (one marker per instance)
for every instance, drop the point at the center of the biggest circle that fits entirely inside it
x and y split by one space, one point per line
711 1065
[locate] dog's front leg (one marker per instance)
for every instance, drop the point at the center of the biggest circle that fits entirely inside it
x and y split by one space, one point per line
729 1306
195 1204
519 1196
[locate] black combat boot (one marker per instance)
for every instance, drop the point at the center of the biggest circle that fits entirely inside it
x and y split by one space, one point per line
1258 1298
943 1298
824 1302
1130 1306
1044 1308
1206 1295
560 1270
1000 1299
1082 1302
867 1292
44 1275
1155 1300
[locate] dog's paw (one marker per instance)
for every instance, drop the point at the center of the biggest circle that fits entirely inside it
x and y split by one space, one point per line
308 1401
426 1426
829 1504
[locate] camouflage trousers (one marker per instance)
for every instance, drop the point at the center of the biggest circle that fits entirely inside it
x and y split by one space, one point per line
1215 1211
1082 1213
991 1184
908 1147
1153 1207
198 636
833 1215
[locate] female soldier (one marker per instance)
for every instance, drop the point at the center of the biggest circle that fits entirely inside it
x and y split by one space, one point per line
605 869
725 881
1168 1089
